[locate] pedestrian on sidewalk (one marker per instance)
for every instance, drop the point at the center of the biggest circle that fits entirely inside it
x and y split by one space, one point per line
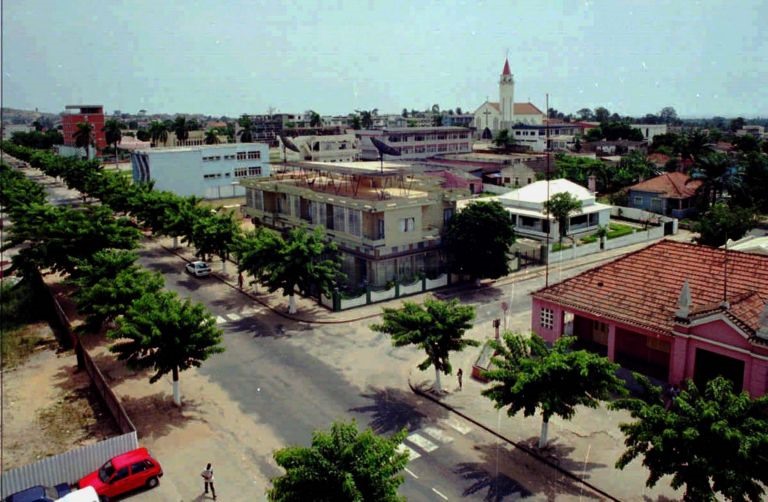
240 280
207 476
460 374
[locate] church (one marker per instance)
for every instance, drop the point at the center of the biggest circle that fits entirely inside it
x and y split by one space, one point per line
493 117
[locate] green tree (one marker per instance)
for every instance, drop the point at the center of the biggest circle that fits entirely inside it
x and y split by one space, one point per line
211 137
366 117
181 129
722 222
504 140
246 133
214 235
737 123
437 327
158 132
713 169
529 375
254 250
302 260
113 134
602 114
83 137
594 134
109 282
354 122
668 115
162 333
712 441
477 240
585 114
437 120
314 119
342 464
561 206
404 114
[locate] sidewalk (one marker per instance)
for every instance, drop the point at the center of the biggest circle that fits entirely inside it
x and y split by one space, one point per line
587 446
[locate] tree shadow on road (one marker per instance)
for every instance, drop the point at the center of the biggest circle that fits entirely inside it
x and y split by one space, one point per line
562 455
156 416
505 471
392 410
258 329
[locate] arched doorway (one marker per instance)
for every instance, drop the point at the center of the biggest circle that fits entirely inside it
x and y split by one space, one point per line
487 134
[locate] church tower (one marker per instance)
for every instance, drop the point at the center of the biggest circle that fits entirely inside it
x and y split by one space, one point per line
507 97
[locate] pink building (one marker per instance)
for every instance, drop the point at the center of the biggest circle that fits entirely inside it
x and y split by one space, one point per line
673 311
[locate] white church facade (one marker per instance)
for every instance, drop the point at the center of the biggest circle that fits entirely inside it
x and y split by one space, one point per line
492 117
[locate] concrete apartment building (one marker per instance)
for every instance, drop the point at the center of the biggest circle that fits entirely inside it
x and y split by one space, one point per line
75 114
417 142
208 171
386 221
332 148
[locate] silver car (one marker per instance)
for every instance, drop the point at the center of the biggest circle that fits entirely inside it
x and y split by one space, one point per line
199 268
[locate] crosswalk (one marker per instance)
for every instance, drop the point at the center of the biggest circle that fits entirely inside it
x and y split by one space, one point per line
233 316
430 438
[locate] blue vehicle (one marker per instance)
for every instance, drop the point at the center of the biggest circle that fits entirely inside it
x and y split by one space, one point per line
39 494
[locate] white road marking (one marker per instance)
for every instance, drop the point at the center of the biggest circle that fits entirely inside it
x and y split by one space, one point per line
422 442
220 320
411 473
444 497
438 434
412 454
233 317
455 424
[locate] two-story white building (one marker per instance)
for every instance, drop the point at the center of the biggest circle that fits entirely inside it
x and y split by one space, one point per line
208 171
417 142
325 148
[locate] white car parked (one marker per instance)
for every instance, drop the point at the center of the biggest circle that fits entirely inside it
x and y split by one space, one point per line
199 268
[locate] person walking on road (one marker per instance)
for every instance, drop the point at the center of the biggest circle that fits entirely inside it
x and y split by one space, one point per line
207 476
460 374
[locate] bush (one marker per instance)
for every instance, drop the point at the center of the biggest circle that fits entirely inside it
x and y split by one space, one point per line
559 247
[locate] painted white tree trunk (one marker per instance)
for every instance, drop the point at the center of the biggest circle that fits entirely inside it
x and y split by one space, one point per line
292 304
175 242
176 393
438 387
543 436
224 265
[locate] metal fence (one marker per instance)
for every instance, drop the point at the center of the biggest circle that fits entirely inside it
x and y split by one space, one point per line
67 467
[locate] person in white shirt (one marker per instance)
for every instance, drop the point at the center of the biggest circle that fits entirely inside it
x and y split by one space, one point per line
207 475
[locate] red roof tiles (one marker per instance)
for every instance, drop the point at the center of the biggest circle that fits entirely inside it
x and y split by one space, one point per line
671 185
527 109
642 288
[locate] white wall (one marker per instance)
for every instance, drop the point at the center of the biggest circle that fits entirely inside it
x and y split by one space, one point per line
183 170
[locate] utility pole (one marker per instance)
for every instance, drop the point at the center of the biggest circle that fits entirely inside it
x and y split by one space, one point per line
546 151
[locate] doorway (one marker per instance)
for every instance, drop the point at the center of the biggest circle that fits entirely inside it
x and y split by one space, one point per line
710 365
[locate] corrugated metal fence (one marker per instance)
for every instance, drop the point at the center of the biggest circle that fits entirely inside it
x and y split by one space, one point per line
67 467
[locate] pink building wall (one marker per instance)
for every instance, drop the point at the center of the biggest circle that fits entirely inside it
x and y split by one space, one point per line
716 336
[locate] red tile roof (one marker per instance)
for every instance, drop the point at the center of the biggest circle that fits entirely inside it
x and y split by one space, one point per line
670 185
642 288
495 104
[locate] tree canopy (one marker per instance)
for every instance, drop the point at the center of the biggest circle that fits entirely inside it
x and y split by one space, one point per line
477 240
722 222
437 327
711 440
341 465
529 375
561 206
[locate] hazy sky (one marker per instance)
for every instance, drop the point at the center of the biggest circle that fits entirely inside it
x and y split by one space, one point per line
231 57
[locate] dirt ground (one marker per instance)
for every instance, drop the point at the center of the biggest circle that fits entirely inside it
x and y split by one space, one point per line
48 407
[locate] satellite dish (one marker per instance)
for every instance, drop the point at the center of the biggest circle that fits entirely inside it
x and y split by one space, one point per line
384 148
290 145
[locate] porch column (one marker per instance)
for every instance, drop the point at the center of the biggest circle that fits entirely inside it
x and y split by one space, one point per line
612 342
678 359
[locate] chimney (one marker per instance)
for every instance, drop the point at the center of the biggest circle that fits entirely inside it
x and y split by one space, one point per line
683 303
592 183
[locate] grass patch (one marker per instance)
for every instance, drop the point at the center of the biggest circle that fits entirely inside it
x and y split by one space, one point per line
559 247
18 334
618 230
589 239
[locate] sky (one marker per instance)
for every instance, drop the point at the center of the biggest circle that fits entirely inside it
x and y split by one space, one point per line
230 57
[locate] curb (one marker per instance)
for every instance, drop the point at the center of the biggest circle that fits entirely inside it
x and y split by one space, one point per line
520 446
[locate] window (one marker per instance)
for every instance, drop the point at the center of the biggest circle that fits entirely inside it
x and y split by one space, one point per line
354 219
638 201
600 332
254 155
211 176
254 171
121 474
140 467
547 318
240 155
240 172
407 224
447 215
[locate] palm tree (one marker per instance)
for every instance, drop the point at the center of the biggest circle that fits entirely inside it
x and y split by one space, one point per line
211 137
113 135
713 170
314 119
561 206
158 131
181 129
84 137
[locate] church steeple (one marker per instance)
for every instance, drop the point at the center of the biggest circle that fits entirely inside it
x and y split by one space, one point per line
507 96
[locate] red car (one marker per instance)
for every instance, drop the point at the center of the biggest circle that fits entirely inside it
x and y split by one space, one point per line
124 473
